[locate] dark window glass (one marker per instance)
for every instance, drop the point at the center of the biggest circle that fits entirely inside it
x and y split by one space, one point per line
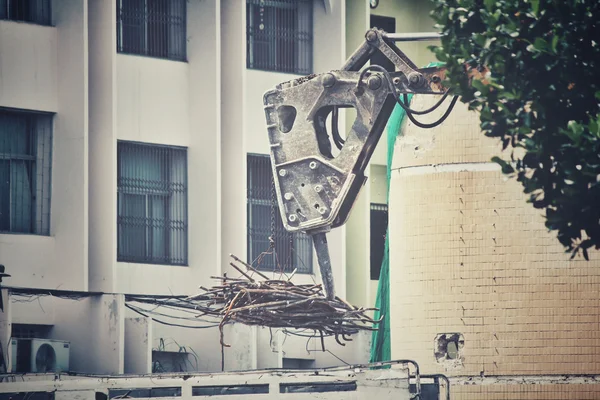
155 28
292 250
379 224
388 24
35 11
152 204
25 172
280 35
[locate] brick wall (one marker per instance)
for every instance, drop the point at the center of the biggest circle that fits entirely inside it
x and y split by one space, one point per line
470 256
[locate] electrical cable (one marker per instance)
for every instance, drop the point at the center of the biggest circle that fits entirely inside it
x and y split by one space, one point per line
409 111
171 316
335 133
430 109
168 323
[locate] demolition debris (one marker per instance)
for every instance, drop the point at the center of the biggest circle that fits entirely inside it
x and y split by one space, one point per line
255 299
281 304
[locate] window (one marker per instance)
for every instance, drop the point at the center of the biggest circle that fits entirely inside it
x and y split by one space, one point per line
279 35
25 171
35 11
388 24
293 250
379 224
152 204
155 28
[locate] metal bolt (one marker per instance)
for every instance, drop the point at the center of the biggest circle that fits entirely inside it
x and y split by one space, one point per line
396 81
328 80
371 36
374 82
292 217
318 188
282 172
322 210
313 165
288 196
415 79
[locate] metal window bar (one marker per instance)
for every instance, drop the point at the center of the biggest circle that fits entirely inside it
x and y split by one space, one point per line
152 204
279 35
34 11
155 28
294 250
25 172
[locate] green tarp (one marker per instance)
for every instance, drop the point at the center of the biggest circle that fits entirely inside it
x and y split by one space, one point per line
380 343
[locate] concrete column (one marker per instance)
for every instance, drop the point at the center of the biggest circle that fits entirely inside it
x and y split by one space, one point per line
138 345
233 156
5 331
102 144
69 200
204 152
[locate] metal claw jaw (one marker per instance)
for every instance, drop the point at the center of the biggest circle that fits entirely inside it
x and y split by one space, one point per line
316 190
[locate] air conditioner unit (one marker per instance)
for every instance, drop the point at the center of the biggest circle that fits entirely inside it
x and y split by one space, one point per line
39 355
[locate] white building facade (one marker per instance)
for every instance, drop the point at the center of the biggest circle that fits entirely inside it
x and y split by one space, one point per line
133 162
127 132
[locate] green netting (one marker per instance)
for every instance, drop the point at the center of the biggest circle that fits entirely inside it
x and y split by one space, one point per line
380 344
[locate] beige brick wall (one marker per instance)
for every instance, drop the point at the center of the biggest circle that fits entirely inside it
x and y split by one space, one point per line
469 255
529 392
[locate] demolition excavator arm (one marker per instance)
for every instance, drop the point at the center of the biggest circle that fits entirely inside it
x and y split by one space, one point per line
315 189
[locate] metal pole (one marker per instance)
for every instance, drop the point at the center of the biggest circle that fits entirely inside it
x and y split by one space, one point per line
322 249
412 37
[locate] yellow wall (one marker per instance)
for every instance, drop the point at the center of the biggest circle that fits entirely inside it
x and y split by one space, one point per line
469 255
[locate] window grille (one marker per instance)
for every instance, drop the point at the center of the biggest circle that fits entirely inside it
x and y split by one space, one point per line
30 331
279 35
152 204
379 225
35 11
294 250
155 28
25 172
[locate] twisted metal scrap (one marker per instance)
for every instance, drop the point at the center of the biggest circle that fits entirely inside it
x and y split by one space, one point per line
281 304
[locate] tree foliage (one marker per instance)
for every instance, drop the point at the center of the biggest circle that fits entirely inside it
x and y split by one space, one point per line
541 97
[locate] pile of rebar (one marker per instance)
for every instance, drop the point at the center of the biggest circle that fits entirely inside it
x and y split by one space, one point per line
280 304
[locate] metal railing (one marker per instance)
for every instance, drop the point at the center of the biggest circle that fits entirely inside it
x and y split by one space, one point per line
152 204
155 28
279 35
25 171
292 250
34 11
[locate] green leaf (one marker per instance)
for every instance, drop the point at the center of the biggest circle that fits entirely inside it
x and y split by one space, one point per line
489 4
554 43
506 167
540 44
535 6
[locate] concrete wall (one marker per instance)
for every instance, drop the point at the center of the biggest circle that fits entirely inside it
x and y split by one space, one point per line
162 102
470 256
31 80
137 345
29 66
202 344
97 343
93 325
